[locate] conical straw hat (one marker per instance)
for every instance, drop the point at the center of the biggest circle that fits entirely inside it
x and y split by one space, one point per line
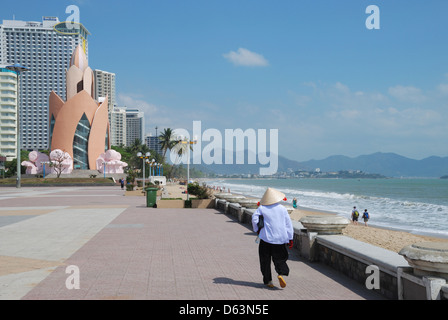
271 196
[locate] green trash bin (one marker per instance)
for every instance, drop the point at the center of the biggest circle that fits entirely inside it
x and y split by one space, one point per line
151 197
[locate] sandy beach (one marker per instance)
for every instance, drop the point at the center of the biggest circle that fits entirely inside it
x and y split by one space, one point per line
385 238
175 190
388 239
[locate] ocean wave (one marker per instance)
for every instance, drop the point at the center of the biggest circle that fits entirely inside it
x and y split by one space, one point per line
385 211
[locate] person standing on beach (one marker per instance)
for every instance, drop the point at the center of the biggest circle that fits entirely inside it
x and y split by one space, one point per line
365 217
275 234
355 215
294 203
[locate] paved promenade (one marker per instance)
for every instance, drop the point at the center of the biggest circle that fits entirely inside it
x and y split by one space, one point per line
126 251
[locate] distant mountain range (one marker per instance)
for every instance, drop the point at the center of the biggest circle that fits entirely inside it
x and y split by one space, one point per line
387 164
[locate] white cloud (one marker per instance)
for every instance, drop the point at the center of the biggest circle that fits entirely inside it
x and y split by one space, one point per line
246 58
367 121
342 88
300 100
443 88
163 116
407 94
130 101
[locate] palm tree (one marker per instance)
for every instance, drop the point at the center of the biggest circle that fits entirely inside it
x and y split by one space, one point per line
135 146
167 140
132 150
180 149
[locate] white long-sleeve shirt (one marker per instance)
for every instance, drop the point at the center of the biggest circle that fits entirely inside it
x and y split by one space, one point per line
277 224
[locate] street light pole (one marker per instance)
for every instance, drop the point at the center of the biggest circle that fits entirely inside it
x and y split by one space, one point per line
45 163
183 140
144 157
151 165
147 162
17 68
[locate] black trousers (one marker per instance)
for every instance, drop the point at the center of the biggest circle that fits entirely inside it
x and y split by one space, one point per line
278 254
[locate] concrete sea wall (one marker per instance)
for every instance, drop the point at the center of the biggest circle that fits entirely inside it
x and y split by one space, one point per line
384 271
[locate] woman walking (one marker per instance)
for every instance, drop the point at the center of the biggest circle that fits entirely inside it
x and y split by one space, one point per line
275 233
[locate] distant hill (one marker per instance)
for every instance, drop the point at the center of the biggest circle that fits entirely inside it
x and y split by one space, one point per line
386 164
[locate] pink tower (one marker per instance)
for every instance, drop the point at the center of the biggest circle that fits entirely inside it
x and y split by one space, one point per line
80 125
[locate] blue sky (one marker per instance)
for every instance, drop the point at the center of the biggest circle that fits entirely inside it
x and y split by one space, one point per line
310 69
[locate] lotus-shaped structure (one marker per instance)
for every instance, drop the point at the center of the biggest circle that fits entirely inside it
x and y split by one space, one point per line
110 162
36 162
80 125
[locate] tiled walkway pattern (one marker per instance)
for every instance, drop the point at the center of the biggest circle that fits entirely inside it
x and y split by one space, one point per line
124 250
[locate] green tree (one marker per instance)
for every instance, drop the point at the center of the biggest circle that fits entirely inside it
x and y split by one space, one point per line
133 160
129 155
200 191
180 148
11 166
136 145
125 155
167 140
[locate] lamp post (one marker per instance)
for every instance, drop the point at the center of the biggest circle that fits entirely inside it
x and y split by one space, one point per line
45 163
151 165
104 168
184 140
17 68
144 157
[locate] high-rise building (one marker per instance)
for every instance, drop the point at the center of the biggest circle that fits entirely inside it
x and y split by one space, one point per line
105 87
135 124
153 143
118 127
46 48
8 114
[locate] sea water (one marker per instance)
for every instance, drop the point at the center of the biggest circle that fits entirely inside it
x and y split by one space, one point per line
418 206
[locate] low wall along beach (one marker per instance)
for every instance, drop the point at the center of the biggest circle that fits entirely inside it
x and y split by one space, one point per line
372 256
382 259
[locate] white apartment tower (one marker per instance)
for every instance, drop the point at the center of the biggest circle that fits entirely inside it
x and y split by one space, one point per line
8 114
135 124
45 48
105 86
118 127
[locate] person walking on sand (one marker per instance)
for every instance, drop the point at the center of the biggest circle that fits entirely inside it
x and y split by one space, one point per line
355 215
275 234
365 217
294 203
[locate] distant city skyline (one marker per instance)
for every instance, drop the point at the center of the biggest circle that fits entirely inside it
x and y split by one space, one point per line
312 70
